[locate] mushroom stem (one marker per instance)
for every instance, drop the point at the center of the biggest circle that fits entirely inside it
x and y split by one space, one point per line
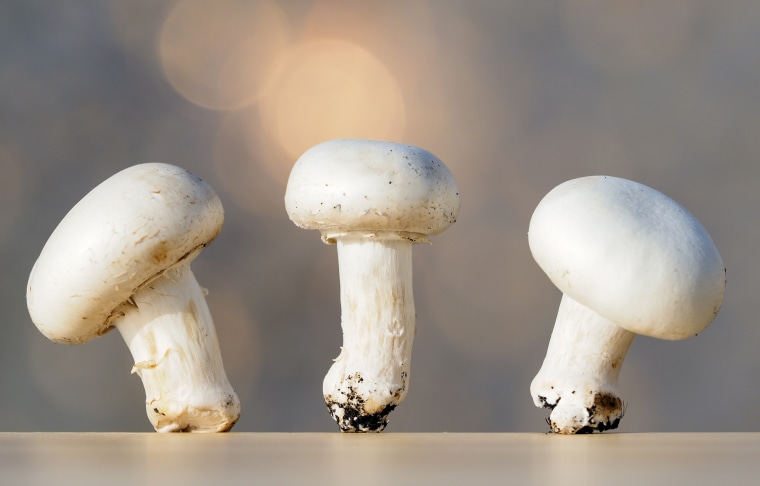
170 333
578 379
371 375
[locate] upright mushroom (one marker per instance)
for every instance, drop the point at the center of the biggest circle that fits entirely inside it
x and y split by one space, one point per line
373 200
628 260
121 258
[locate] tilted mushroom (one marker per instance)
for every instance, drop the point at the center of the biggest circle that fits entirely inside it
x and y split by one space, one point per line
628 260
373 200
121 258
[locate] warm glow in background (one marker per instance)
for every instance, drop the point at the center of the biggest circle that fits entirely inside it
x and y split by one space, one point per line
514 96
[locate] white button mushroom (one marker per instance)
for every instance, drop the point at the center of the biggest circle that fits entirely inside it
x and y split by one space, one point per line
628 260
374 200
121 258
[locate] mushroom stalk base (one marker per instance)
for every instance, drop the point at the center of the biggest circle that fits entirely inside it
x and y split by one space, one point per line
578 379
371 375
170 333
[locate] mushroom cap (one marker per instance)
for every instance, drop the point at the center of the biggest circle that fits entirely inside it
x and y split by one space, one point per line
124 233
629 253
366 185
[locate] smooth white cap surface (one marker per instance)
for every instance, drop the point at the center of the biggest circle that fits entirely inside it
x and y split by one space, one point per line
631 254
120 236
365 185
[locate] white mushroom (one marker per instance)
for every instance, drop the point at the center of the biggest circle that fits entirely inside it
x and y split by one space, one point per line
121 258
374 200
628 260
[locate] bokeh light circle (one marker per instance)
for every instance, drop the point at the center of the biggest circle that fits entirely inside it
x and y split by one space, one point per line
327 89
219 54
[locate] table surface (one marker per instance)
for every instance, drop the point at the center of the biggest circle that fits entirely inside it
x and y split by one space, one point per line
386 458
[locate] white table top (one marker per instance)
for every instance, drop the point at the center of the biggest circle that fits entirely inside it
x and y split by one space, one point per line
386 458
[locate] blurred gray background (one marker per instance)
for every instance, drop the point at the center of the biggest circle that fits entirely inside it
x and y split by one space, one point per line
514 96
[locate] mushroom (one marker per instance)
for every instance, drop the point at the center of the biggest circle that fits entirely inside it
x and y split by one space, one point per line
121 258
628 260
373 200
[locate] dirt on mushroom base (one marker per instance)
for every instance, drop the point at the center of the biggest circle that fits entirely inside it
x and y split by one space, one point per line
193 419
350 411
604 414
